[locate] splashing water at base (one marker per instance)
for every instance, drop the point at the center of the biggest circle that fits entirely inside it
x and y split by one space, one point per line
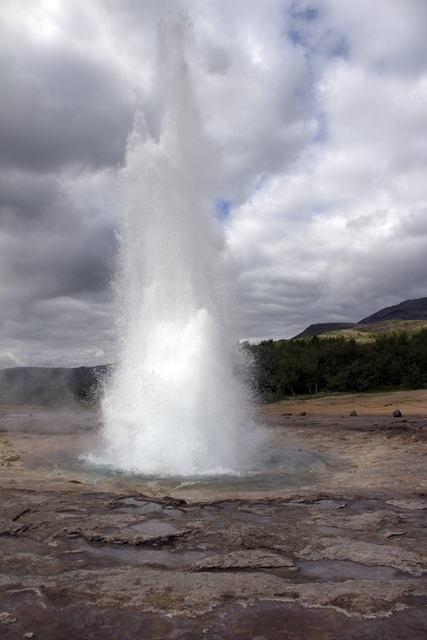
174 405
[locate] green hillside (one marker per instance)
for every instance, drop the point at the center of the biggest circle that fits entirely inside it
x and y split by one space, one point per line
369 332
408 310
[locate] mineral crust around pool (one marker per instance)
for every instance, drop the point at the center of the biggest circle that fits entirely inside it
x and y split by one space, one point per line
342 556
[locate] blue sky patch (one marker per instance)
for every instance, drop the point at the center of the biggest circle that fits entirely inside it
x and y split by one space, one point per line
222 209
322 131
260 181
341 49
308 14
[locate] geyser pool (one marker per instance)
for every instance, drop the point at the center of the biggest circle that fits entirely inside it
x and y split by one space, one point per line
174 405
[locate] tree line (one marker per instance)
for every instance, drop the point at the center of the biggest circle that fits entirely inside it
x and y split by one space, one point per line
313 365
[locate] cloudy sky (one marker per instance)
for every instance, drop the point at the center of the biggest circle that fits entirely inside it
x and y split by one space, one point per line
316 111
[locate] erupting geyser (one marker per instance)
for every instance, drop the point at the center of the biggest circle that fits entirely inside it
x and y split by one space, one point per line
174 405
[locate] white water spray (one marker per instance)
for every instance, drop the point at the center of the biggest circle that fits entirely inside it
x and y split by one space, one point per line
174 405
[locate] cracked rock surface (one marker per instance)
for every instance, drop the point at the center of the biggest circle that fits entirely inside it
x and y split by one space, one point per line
121 559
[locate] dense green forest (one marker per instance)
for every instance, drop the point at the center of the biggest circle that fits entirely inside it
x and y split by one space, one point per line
313 365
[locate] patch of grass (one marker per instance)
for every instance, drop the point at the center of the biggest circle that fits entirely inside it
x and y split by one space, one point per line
369 332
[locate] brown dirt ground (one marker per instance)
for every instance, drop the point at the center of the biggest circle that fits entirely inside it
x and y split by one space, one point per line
379 404
339 555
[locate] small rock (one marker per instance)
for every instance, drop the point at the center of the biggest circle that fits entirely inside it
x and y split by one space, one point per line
397 414
330 504
29 634
11 457
353 413
389 533
303 413
7 618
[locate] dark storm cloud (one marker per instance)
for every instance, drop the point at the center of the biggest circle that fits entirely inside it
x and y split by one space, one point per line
59 107
25 196
414 226
57 251
67 108
53 248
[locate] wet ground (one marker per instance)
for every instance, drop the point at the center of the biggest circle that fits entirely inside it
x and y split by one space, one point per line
326 539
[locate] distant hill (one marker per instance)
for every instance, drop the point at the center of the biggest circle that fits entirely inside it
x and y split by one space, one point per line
366 332
324 327
407 310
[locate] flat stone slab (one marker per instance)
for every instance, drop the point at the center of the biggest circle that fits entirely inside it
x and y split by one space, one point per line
253 559
418 505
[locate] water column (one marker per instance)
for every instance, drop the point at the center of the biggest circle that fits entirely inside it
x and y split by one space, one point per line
174 405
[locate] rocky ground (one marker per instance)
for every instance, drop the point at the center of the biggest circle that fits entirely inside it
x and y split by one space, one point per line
342 555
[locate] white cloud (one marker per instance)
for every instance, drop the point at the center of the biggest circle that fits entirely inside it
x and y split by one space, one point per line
315 112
